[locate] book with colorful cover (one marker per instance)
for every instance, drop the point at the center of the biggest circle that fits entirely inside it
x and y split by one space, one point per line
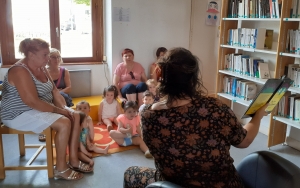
270 93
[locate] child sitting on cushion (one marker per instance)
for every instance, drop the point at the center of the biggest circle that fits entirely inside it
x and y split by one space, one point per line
129 131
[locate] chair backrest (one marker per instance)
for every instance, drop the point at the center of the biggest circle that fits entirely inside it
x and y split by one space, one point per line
267 169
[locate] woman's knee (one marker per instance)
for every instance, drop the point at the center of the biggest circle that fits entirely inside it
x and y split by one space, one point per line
129 89
141 87
76 116
62 123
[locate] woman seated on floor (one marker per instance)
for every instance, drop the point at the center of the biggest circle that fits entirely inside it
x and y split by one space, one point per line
130 78
31 102
155 72
188 133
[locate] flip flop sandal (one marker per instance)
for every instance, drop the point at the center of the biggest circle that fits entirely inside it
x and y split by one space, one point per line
73 176
42 137
82 167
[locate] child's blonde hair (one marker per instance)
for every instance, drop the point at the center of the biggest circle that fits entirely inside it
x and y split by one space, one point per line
151 81
82 117
82 102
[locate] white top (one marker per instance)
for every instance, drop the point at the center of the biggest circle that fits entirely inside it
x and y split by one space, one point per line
109 110
142 107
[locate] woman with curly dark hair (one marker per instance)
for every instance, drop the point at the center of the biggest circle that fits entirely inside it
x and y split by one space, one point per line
188 133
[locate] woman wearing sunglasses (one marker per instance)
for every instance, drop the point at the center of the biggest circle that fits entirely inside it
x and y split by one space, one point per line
130 78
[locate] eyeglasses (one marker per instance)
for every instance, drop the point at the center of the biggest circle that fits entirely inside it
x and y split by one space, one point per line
131 74
55 57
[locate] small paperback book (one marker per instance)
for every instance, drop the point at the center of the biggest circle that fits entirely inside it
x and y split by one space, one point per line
270 93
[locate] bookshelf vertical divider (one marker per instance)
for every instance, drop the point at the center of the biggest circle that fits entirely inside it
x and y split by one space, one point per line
277 129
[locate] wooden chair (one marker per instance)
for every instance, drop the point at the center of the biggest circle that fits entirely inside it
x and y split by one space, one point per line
22 146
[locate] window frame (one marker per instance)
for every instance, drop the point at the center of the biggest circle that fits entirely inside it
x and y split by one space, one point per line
7 38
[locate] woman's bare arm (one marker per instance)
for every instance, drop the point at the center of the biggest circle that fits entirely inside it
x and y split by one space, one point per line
253 127
116 81
67 80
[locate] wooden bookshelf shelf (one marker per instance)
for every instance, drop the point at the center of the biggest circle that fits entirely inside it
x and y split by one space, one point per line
255 19
256 80
235 99
290 122
250 49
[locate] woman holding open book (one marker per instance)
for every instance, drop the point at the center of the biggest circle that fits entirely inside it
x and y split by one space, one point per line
188 133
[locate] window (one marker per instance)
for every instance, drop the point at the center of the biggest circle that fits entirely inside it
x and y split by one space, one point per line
75 27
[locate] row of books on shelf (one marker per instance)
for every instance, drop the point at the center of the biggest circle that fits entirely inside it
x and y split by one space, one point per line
292 71
254 8
259 38
289 107
293 42
295 9
240 88
246 65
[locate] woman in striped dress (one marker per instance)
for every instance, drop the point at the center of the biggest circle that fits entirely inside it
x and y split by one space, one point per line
27 105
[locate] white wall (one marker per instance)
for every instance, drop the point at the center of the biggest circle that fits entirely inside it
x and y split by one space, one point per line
204 44
152 24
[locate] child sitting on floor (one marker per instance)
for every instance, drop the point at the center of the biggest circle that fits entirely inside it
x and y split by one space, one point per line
152 87
86 137
148 98
129 131
109 108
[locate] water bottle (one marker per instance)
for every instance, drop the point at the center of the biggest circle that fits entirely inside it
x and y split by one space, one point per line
128 134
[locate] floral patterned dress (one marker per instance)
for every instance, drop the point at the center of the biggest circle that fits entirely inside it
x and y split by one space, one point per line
190 145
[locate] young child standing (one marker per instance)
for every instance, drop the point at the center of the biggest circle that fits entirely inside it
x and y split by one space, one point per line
109 108
129 131
152 87
148 98
86 137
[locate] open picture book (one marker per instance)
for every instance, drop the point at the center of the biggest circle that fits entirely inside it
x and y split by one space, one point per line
270 93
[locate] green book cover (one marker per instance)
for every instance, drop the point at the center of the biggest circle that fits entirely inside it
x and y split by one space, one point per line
270 93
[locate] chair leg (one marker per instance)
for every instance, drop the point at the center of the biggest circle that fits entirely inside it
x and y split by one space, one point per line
2 171
21 144
49 152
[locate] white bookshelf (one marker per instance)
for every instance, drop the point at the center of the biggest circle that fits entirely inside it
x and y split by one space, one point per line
294 89
291 19
289 54
276 56
290 122
256 80
235 99
267 51
255 19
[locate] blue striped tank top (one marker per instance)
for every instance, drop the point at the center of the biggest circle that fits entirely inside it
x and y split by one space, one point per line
12 104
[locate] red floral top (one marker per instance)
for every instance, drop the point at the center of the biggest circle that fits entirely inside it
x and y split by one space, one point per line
190 143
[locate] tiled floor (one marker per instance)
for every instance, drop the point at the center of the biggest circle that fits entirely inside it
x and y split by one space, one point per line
109 169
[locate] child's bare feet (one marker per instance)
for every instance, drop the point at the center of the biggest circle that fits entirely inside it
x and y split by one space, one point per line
109 128
91 163
106 149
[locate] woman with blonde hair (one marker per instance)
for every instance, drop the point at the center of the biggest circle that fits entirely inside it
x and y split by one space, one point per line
31 102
